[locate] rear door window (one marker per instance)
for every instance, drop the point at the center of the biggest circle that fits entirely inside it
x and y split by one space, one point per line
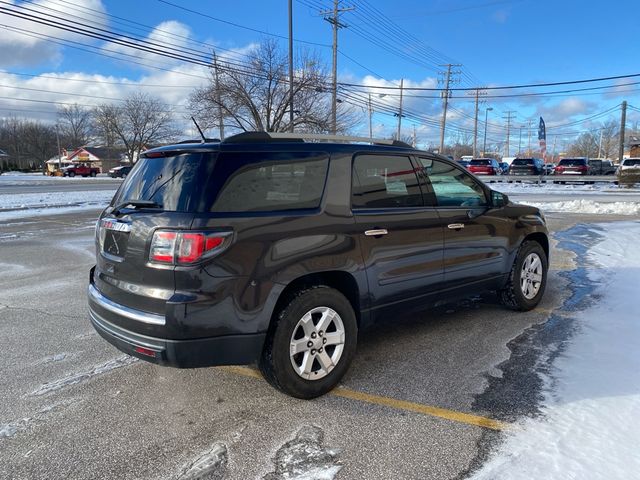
268 181
452 186
385 181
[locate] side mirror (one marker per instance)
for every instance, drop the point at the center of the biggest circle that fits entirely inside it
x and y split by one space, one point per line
498 199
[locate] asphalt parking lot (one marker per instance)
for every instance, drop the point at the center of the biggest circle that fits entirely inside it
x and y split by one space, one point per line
421 399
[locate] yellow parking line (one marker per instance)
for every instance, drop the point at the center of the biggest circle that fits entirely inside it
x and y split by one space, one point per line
343 392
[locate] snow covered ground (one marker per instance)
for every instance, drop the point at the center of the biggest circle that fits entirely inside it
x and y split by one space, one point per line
590 426
588 206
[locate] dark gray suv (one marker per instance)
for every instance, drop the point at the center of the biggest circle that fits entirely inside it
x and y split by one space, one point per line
270 249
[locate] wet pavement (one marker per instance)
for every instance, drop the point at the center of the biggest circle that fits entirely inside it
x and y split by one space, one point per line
74 407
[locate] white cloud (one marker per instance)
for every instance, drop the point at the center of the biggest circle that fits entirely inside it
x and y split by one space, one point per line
19 46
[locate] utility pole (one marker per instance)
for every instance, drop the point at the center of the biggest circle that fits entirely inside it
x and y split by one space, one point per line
600 145
484 144
520 140
370 118
475 127
400 112
623 124
290 66
445 95
553 154
414 137
333 17
508 117
59 151
215 69
529 123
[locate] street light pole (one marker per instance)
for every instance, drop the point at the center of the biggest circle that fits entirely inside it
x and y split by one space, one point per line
484 145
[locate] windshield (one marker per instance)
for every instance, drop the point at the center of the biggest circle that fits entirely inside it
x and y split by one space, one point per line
523 161
631 162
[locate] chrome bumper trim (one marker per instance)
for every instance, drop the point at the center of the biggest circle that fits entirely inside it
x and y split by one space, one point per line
126 312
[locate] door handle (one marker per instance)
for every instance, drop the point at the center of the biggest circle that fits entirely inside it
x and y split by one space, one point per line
456 226
376 233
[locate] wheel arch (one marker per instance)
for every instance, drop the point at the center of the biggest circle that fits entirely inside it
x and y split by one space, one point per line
339 280
540 238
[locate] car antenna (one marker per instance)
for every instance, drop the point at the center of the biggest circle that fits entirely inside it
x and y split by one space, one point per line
204 140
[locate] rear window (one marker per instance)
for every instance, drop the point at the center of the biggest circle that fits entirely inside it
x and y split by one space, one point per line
573 162
523 161
268 181
480 162
631 162
173 182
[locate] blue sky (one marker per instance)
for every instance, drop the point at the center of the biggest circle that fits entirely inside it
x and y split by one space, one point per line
499 42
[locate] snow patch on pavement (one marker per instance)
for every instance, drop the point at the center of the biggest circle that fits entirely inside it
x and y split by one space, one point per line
76 378
304 458
590 422
209 466
589 207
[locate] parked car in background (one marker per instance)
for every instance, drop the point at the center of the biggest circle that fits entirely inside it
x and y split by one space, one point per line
629 163
484 166
463 163
572 166
527 166
79 169
549 168
601 166
120 172
262 249
504 166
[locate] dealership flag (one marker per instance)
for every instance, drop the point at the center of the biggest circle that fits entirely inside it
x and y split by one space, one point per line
542 137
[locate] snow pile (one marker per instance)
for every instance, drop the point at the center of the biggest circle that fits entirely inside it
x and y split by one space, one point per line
590 428
55 199
589 206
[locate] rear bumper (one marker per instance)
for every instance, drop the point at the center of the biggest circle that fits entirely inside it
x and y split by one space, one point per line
192 353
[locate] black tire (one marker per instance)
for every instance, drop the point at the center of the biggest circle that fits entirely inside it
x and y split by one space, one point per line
276 363
92 174
72 174
512 294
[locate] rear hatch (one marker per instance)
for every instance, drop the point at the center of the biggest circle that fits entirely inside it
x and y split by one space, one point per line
482 167
523 166
164 191
572 166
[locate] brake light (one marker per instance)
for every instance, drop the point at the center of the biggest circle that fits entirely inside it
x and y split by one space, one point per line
184 248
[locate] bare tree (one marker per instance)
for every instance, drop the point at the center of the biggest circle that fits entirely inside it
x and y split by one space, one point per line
610 133
137 124
257 98
74 125
586 145
28 144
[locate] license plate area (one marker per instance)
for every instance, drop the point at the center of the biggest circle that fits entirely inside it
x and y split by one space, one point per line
114 238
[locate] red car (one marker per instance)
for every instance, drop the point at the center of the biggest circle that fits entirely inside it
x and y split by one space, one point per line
484 166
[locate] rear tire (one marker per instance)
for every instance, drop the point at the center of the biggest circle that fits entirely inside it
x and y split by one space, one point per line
93 174
527 278
72 174
311 343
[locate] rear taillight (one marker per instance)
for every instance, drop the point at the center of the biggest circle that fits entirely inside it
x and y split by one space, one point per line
559 169
184 248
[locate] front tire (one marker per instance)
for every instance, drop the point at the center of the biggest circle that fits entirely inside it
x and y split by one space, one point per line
527 278
312 343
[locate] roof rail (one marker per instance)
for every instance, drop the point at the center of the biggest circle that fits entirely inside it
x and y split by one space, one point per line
198 141
301 137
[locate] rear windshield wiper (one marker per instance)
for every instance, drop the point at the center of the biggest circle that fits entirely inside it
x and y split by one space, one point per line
135 204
